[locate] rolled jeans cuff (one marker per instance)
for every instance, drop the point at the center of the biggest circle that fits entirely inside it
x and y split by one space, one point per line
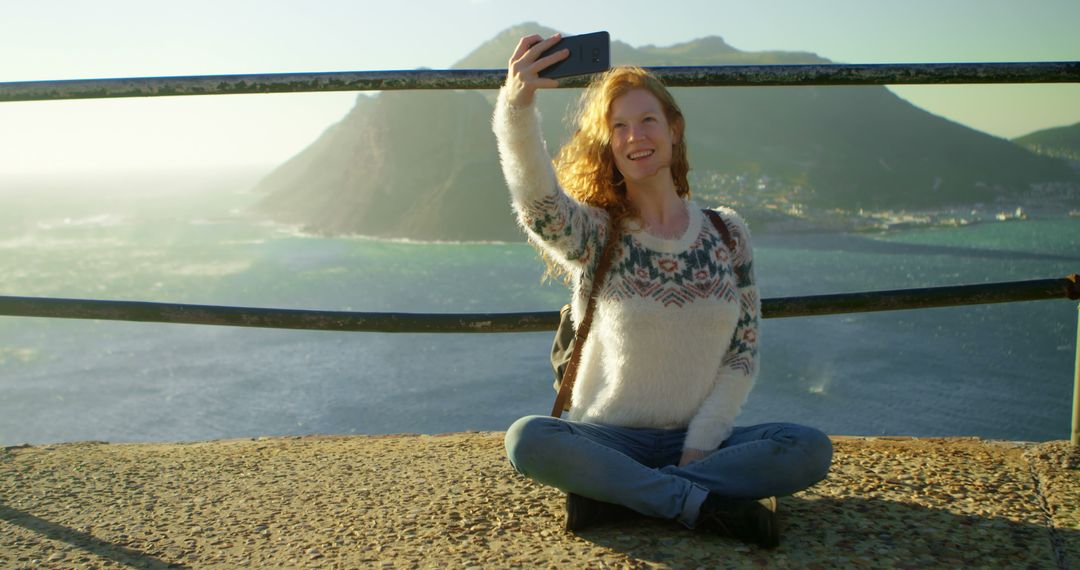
692 505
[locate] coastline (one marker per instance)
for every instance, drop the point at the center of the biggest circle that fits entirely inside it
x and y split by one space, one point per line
452 500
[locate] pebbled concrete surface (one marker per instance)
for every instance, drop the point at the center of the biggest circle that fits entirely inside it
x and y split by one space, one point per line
453 501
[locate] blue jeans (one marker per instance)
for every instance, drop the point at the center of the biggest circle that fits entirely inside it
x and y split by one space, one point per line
638 467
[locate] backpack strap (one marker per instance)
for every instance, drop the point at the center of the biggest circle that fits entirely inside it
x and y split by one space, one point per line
721 227
582 331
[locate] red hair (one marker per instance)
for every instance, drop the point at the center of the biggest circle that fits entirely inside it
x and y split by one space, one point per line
585 165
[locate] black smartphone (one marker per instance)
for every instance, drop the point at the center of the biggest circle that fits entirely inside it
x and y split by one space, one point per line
589 53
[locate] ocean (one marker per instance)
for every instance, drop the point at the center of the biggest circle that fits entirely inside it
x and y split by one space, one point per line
995 371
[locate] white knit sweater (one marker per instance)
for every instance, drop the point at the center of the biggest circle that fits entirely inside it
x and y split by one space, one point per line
674 338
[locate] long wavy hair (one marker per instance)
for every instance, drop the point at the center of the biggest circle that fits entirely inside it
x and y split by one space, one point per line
585 165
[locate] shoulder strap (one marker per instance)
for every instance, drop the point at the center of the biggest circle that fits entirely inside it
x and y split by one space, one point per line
582 331
722 228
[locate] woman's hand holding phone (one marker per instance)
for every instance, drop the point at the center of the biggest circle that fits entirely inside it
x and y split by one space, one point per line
523 75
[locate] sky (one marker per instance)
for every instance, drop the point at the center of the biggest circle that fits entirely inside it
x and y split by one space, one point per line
74 39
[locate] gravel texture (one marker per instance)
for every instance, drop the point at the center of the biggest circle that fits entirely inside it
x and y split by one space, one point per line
453 501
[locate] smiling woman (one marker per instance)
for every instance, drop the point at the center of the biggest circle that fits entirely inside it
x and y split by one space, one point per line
673 354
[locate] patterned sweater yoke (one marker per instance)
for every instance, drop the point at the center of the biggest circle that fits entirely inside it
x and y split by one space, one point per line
674 339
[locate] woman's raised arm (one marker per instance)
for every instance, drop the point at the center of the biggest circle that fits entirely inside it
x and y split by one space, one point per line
570 232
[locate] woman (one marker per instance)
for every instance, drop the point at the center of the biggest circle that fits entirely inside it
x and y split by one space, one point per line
672 352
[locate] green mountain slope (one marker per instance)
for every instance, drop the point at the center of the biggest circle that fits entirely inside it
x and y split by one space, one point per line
423 165
417 164
1060 142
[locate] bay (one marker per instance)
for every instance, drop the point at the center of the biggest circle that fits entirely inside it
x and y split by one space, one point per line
997 371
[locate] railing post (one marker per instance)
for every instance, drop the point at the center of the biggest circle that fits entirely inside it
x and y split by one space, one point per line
1076 388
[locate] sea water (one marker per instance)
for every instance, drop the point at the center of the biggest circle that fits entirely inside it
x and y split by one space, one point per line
998 371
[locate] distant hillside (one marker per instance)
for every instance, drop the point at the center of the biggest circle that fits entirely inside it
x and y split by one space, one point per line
1060 142
416 164
423 165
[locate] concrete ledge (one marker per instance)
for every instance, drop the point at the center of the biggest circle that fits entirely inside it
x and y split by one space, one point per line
452 501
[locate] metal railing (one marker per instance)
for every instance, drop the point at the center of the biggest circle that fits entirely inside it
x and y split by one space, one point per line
352 321
693 76
687 76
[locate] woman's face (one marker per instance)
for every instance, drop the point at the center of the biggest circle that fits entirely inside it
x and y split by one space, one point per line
641 138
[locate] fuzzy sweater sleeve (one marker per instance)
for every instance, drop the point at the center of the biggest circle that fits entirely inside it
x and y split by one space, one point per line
715 418
570 232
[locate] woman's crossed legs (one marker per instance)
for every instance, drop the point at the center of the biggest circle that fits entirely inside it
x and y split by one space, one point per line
638 467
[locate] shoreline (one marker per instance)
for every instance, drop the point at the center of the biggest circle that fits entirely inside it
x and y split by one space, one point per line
471 432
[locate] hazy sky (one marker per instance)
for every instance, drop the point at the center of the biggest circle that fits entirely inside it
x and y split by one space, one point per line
55 39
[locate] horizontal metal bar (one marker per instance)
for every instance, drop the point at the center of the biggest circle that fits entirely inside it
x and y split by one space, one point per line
276 318
871 74
688 76
515 322
924 298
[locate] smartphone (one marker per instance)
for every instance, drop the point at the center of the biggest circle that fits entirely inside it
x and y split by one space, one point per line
589 53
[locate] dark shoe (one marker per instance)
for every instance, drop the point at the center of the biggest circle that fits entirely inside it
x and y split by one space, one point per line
583 512
749 520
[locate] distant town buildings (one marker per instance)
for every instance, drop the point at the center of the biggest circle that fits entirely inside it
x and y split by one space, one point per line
772 204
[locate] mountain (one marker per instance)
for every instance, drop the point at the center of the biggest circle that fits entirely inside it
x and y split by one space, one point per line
1060 142
423 164
418 164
